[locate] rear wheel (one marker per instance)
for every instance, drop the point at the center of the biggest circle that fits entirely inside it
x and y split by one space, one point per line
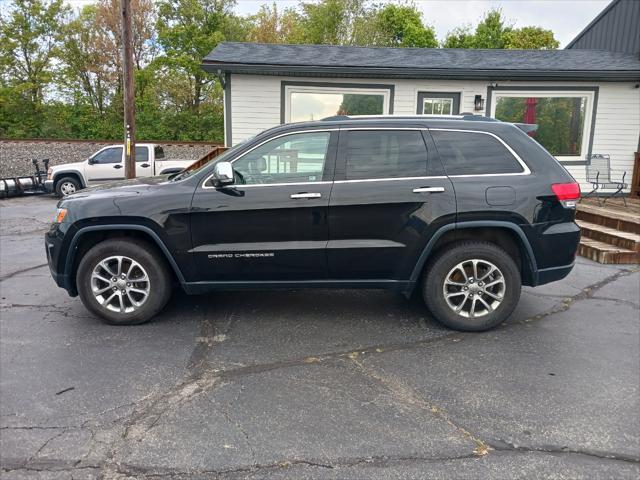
472 286
67 186
123 281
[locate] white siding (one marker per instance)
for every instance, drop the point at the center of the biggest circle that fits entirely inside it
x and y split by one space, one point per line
255 106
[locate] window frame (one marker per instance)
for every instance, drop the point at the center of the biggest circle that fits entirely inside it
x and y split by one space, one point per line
525 168
287 88
588 127
327 174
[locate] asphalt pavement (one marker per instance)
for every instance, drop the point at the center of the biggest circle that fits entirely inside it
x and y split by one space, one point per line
313 383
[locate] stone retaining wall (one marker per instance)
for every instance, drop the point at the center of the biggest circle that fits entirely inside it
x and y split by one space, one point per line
16 155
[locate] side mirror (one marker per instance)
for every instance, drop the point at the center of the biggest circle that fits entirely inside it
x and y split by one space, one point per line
90 161
223 173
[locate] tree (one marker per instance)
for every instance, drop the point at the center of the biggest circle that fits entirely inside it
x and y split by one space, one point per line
272 26
531 38
401 26
494 32
336 22
30 36
187 31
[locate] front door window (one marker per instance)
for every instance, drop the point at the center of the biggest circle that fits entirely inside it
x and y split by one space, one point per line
292 158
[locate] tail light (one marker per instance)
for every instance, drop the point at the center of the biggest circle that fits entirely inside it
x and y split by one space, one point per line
567 193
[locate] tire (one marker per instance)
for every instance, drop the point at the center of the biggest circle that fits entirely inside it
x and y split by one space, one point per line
137 259
495 293
67 186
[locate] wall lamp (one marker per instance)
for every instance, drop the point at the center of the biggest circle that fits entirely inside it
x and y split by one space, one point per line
478 103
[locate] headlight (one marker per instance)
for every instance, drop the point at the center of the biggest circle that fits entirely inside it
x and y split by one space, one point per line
61 213
50 173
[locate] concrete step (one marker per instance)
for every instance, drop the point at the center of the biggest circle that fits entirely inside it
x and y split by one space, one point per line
617 219
602 252
627 240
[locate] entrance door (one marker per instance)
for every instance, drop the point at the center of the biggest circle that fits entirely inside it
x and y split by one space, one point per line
438 103
388 198
106 166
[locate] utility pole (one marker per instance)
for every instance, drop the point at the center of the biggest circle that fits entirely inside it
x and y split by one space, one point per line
129 94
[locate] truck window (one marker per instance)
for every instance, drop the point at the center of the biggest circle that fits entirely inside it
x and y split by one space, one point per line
142 154
110 155
158 152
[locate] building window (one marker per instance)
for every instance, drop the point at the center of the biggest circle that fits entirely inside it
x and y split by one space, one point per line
563 119
437 106
306 103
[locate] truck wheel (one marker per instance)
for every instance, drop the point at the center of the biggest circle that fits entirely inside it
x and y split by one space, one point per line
124 282
472 286
66 186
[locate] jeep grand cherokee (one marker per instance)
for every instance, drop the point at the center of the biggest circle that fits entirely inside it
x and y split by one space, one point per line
462 210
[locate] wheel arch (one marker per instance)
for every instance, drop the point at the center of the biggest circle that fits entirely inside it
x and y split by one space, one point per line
505 234
94 234
68 173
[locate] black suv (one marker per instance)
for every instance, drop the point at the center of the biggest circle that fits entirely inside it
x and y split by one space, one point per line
462 210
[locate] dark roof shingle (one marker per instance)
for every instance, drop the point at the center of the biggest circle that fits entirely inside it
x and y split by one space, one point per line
327 60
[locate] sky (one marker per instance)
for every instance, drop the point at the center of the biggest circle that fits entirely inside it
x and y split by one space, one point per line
566 18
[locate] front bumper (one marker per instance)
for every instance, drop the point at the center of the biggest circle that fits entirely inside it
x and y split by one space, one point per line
48 186
54 246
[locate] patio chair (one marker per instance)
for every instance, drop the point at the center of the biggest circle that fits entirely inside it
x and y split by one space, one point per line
599 176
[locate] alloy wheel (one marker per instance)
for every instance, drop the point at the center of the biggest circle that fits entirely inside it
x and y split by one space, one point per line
474 288
120 284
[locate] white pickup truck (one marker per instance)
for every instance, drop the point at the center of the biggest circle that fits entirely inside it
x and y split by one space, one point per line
107 165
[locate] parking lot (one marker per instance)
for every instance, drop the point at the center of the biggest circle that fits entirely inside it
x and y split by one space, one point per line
314 383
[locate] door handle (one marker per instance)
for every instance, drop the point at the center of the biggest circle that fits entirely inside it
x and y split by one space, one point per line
117 166
145 165
306 195
428 190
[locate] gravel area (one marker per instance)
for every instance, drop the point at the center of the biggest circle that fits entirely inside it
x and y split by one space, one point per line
15 156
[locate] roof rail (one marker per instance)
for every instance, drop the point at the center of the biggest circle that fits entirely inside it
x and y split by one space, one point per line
463 116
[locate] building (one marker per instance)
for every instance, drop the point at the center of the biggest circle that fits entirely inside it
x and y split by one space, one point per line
616 29
583 101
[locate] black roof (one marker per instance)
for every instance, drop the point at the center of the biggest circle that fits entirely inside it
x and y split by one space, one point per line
342 61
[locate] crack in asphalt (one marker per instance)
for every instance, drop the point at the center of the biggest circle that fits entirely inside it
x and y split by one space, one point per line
504 446
379 461
24 270
408 396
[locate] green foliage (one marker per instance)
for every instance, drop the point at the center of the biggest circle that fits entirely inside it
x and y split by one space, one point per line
560 121
401 26
361 105
494 32
61 74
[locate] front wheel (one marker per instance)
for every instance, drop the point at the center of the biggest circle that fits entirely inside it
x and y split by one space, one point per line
123 281
67 186
472 286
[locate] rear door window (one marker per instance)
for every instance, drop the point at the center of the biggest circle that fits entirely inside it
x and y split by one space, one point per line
371 154
473 153
142 154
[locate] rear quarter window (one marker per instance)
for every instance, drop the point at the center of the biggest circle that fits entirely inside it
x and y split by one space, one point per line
474 153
